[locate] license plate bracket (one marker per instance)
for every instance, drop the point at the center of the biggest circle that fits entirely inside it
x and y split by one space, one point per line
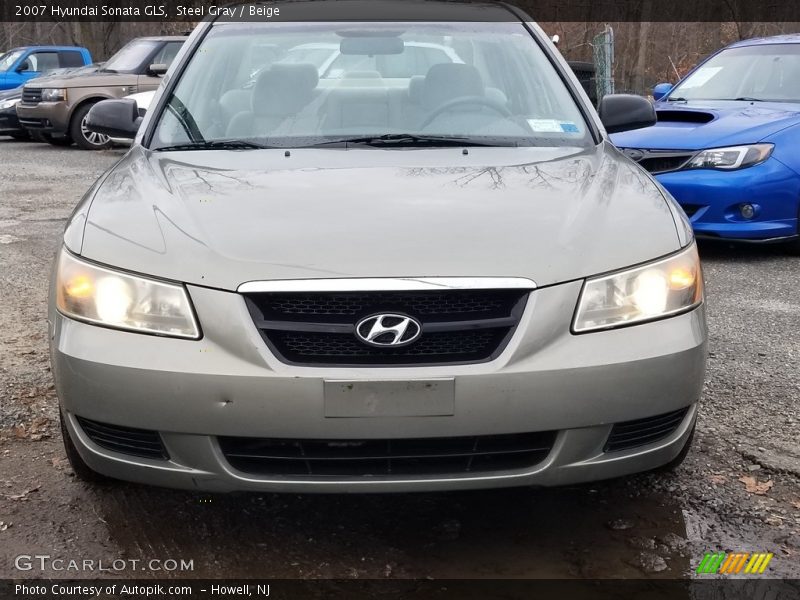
382 398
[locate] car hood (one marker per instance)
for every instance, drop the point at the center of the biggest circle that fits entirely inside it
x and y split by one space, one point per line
83 79
222 218
699 125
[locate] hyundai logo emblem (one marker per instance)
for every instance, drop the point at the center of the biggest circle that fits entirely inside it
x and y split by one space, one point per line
388 330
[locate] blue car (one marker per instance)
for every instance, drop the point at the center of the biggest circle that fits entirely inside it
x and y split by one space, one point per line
20 65
727 142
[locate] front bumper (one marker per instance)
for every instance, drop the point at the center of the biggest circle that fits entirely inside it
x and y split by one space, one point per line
47 117
228 384
712 200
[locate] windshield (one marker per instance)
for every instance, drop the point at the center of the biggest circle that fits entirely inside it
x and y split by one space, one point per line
324 84
130 57
765 72
8 59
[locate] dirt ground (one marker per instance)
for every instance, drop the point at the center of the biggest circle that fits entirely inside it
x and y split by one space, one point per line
737 491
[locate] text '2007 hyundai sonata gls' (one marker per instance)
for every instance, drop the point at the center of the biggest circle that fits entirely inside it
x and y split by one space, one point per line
422 267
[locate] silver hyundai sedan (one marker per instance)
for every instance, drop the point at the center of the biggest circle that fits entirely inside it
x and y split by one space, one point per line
421 267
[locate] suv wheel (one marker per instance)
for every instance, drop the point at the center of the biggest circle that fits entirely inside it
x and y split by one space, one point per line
87 140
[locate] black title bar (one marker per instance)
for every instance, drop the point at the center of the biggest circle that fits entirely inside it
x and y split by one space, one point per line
757 588
189 11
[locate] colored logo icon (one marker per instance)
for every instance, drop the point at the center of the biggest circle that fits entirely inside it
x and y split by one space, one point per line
732 563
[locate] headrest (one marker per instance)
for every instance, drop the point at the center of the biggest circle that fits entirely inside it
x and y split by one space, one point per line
284 89
448 81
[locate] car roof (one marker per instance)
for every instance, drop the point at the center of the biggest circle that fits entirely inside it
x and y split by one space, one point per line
791 38
393 10
162 38
44 48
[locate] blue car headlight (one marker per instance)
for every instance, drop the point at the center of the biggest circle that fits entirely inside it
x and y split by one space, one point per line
730 158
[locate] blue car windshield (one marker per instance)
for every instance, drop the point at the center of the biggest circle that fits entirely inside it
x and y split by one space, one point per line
8 59
769 73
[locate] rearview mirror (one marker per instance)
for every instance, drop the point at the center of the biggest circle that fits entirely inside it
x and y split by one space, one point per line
117 118
371 46
661 90
623 112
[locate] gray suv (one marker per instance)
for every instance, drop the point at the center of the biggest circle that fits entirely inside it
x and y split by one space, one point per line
407 277
54 108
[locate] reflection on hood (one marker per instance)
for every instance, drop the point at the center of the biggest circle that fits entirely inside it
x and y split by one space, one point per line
220 218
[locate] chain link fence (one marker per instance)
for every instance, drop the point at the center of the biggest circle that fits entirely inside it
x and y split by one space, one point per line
603 54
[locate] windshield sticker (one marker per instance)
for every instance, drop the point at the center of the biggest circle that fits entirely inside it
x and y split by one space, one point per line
545 126
700 77
569 127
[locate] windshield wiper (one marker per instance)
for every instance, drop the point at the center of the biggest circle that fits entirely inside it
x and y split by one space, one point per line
747 99
411 140
214 145
671 99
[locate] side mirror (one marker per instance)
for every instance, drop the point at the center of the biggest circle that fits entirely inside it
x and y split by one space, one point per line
623 112
116 118
661 90
157 69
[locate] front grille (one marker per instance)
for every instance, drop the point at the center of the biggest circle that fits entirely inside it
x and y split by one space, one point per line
355 303
457 326
446 346
125 440
31 95
386 457
660 161
631 434
664 163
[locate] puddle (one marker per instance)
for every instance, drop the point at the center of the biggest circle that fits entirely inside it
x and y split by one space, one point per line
598 532
616 529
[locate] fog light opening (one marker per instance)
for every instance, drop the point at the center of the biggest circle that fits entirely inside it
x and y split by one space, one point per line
748 211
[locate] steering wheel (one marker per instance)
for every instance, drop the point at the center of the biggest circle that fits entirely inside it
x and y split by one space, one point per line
475 100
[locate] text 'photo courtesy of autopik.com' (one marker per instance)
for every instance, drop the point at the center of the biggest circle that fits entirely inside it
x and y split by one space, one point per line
399 299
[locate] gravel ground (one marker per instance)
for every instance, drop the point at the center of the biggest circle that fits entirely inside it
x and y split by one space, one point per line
738 489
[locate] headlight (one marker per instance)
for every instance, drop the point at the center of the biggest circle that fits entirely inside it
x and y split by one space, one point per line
660 289
98 295
6 104
54 94
735 157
